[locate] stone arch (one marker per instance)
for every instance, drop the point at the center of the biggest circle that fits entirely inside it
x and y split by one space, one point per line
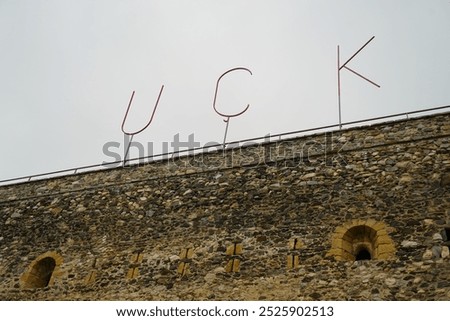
362 240
42 271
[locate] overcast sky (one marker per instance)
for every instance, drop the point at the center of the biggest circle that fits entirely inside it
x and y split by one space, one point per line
68 68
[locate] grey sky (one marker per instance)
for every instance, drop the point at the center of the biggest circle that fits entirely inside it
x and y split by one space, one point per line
67 70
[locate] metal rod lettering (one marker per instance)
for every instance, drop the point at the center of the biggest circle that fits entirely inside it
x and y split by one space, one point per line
127 150
362 77
226 131
339 67
215 99
143 128
357 52
151 118
339 88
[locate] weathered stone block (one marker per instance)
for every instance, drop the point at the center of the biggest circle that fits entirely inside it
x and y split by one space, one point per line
445 252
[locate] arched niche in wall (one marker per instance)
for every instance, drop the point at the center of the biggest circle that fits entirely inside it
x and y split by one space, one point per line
361 240
42 271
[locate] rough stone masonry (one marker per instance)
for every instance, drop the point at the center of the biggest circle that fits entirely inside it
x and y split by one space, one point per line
356 214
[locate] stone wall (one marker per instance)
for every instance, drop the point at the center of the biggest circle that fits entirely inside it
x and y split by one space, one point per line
357 214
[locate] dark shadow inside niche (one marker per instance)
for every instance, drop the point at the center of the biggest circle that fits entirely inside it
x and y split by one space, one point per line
446 234
41 273
363 254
